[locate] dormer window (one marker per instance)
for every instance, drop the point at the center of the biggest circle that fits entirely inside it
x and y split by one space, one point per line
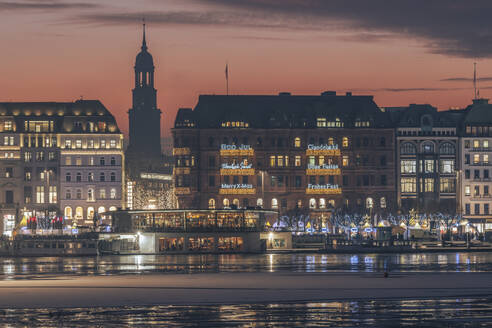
7 126
337 123
321 122
235 124
362 124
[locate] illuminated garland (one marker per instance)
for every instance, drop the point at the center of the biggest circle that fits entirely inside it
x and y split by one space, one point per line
237 171
182 191
237 152
248 191
337 191
181 170
323 172
328 152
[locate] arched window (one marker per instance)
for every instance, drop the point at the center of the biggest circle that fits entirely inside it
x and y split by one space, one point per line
102 177
90 213
68 177
113 193
331 202
79 213
113 177
259 202
408 148
236 202
383 202
112 208
226 203
369 202
428 147
101 209
322 203
299 203
68 213
312 203
297 142
447 149
331 141
274 203
90 177
211 203
78 177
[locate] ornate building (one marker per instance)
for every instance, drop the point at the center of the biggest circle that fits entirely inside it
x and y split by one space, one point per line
427 150
318 153
149 179
59 159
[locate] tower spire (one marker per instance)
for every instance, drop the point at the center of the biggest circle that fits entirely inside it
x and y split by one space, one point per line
144 42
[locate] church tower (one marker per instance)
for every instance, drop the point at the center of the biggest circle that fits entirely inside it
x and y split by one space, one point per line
144 117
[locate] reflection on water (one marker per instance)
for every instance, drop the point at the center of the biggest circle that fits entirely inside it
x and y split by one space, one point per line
109 265
475 312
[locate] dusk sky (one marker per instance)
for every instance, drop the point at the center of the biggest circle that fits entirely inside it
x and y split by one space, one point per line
399 51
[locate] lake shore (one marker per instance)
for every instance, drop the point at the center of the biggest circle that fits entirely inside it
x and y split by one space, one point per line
235 288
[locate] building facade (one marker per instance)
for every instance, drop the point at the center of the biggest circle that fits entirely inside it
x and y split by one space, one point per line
428 158
52 161
309 154
475 175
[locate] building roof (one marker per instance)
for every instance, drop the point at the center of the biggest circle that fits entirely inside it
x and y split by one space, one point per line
424 115
479 113
282 111
65 114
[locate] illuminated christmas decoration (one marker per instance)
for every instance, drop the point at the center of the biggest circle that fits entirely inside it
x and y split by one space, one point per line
237 169
233 150
327 189
182 170
325 169
182 191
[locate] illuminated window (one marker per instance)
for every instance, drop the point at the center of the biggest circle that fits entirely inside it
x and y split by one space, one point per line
467 190
383 202
322 203
429 166
345 142
211 203
68 213
68 143
280 161
312 160
409 185
345 160
272 161
485 159
321 160
39 194
408 166
447 166
312 203
428 185
447 185
90 143
112 143
90 213
428 147
112 193
78 143
297 142
52 195
68 160
103 143
369 203
485 144
7 125
102 193
476 143
331 141
476 158
259 202
298 161
226 203
90 195
274 203
321 122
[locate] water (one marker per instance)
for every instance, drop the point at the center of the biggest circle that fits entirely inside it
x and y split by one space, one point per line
28 267
442 312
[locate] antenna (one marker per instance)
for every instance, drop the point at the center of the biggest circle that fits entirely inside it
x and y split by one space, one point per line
474 80
227 77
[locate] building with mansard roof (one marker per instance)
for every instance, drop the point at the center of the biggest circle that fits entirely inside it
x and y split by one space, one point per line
58 159
285 152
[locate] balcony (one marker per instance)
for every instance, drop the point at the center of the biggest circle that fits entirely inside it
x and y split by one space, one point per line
181 170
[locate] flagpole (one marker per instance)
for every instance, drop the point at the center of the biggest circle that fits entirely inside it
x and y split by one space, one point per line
227 77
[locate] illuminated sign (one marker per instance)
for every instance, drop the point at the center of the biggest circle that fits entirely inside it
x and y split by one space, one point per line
325 169
322 150
181 151
237 169
182 191
157 176
237 189
232 150
323 189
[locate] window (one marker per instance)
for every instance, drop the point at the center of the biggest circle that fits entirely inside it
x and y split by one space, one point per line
476 143
383 202
345 180
27 174
485 174
78 161
408 149
211 181
321 122
467 191
428 147
467 159
345 160
27 156
113 161
486 209
272 161
476 191
102 177
297 142
477 209
101 161
476 158
447 149
467 144
91 160
408 185
52 195
322 203
112 143
274 203
90 143
90 177
369 203
51 156
39 156
467 209
384 180
428 166
312 203
408 166
428 185
211 203
103 143
467 174
102 193
90 195
447 185
113 193
485 159
447 166
79 193
78 177
68 194
68 177
345 142
7 125
113 177
298 181
68 213
298 161
39 194
485 145
78 143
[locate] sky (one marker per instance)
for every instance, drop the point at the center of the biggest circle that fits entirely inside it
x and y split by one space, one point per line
401 52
